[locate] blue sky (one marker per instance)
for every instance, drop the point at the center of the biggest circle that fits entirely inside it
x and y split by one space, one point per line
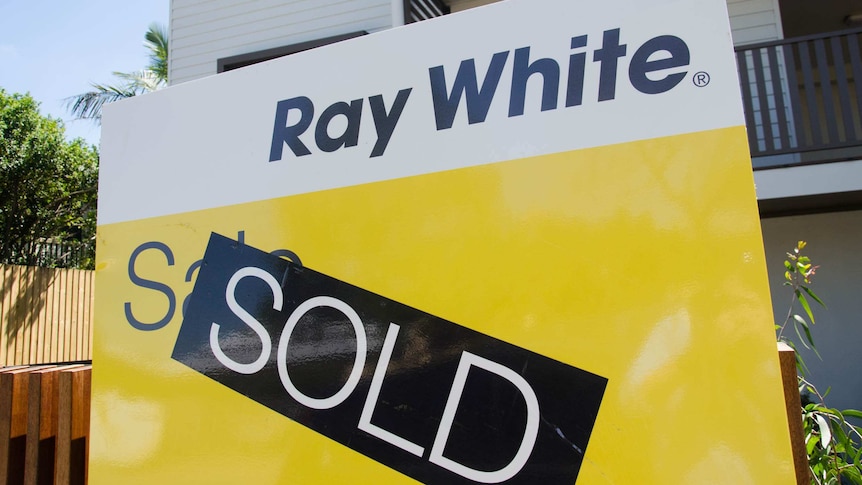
54 49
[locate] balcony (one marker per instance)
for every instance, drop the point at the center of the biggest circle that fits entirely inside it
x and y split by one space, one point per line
801 99
419 10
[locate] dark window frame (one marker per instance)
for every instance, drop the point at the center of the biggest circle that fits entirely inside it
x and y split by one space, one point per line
242 60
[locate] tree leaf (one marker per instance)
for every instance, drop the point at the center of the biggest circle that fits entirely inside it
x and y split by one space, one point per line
812 295
810 444
853 413
825 432
805 305
48 185
801 339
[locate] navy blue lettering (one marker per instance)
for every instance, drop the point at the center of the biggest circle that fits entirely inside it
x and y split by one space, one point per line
523 69
385 122
607 57
189 273
577 66
281 133
287 253
152 285
478 101
350 137
640 65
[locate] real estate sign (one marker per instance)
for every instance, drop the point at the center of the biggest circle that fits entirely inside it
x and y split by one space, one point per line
514 245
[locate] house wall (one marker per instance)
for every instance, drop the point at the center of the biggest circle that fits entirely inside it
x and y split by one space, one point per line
458 5
754 21
834 240
751 20
203 31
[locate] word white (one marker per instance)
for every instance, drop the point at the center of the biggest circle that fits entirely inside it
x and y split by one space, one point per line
643 63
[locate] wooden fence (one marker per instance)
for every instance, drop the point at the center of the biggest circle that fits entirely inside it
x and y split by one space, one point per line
46 315
44 424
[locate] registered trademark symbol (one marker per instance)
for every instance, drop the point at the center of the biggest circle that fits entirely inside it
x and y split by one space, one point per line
700 79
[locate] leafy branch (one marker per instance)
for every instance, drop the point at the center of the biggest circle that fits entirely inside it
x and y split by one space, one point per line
798 274
833 445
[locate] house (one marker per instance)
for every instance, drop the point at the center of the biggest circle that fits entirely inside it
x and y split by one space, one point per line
798 63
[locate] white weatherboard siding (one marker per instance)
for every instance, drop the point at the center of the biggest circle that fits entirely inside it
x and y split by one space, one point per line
458 5
203 31
751 20
754 21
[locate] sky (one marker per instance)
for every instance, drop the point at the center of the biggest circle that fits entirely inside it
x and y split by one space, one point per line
54 49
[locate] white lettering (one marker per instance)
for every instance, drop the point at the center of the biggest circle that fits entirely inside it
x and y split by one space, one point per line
374 393
230 297
358 362
530 430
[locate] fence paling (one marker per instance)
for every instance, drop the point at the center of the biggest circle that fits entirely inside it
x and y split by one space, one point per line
73 427
44 424
13 424
45 315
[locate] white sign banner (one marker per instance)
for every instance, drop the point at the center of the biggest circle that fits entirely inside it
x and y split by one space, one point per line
338 116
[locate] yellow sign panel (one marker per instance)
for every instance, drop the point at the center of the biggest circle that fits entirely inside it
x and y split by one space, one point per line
590 312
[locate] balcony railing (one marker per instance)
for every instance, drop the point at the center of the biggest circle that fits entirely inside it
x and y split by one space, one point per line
802 99
419 10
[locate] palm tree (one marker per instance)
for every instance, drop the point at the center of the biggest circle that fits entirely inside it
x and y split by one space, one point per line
155 76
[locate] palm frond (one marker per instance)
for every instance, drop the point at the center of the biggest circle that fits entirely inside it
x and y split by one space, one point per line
155 76
143 81
156 41
89 105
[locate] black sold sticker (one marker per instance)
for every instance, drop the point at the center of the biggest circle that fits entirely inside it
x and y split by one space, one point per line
432 399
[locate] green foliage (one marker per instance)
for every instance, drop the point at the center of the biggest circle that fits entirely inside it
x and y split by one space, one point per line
798 274
153 77
47 184
156 41
833 444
